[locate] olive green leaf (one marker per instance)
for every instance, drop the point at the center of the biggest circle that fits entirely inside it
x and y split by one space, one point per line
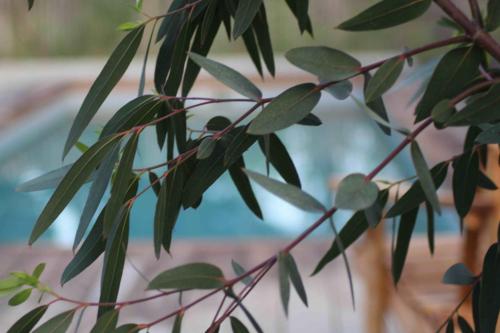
107 322
458 274
71 183
406 226
430 226
386 14
289 193
206 148
261 29
425 176
239 270
493 16
112 72
26 323
37 272
245 14
356 192
327 63
57 324
127 26
127 328
20 297
178 323
384 78
228 76
237 326
288 108
300 10
190 276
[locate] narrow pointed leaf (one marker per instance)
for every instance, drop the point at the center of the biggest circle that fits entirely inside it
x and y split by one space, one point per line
106 323
481 110
177 324
430 226
245 13
26 323
57 324
425 176
20 297
190 276
406 226
288 108
355 192
485 182
112 72
46 181
239 270
450 326
384 78
376 109
237 326
327 63
174 184
295 278
465 179
284 282
206 148
386 14
289 193
30 4
261 30
37 272
493 16
464 325
489 297
458 274
154 182
242 183
127 328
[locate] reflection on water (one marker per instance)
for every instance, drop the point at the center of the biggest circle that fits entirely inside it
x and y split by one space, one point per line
347 142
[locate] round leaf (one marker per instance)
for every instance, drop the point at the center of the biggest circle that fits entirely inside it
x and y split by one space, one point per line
458 274
355 192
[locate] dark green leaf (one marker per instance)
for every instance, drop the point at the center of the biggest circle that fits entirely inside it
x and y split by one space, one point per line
218 123
384 78
237 326
481 110
228 76
406 226
30 4
378 107
112 72
107 322
142 80
154 182
245 14
295 278
458 274
299 8
206 148
252 49
340 90
490 135
489 298
464 325
493 17
174 183
26 323
327 63
242 183
177 323
20 297
46 181
425 176
386 14
356 192
465 179
310 120
190 276
290 193
261 30
442 112
239 270
284 282
450 327
451 76
57 324
415 195
71 183
127 328
485 182
288 108
430 226
240 143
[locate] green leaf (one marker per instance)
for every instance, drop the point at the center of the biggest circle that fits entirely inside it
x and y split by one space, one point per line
245 14
217 123
289 193
284 282
486 183
237 326
26 323
178 323
310 120
376 109
356 192
288 108
465 179
442 112
107 322
121 182
430 226
10 284
458 274
174 184
300 8
71 183
57 324
406 226
20 297
386 14
450 327
112 72
47 181
240 143
340 90
452 74
37 272
30 4
154 182
490 135
228 76
239 270
481 110
425 176
90 250
295 278
127 26
464 325
280 159
489 297
493 16
190 276
261 29
206 148
415 195
327 63
242 183
127 328
384 78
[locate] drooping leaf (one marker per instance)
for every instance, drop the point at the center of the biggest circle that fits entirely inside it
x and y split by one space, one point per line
452 74
30 4
20 297
386 14
377 108
286 109
284 282
458 274
289 193
242 183
280 159
489 297
415 195
237 326
430 226
464 325
485 182
245 14
107 322
142 80
26 323
71 183
174 183
57 324
425 177
112 72
406 226
493 16
190 276
206 148
356 192
465 179
295 278
47 181
300 8
261 30
240 143
450 326
228 76
177 323
154 181
384 78
481 110
327 63
239 270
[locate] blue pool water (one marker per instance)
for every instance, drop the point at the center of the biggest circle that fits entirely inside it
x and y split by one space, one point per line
347 142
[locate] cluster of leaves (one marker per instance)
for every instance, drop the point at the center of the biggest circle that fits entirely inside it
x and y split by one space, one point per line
456 94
